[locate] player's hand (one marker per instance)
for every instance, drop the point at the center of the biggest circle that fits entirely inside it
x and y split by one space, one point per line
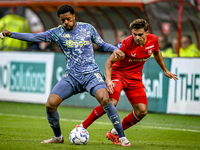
6 33
1 36
119 54
110 86
171 75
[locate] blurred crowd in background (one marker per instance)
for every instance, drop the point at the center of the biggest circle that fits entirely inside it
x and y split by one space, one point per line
15 23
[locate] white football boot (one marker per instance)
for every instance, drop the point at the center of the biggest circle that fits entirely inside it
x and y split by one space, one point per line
54 140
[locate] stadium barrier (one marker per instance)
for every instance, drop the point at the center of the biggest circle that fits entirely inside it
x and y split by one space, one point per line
29 77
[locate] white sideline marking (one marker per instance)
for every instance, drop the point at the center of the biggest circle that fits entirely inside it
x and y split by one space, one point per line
97 122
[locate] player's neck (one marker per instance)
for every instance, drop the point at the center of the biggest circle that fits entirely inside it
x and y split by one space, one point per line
141 45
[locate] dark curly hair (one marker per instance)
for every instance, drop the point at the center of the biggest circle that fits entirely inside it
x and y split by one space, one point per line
139 24
64 9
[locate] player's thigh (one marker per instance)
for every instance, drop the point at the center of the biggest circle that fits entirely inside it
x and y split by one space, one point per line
95 81
138 100
119 85
136 96
102 96
63 89
96 86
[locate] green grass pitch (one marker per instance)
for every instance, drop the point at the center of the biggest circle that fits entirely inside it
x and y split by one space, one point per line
24 126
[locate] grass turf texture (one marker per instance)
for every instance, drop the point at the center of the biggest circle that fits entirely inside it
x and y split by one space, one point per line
24 126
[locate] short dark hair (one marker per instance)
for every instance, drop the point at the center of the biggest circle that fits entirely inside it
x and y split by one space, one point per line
139 24
64 9
189 37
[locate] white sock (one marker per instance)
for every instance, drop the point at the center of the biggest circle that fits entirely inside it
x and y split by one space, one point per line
122 138
58 138
114 131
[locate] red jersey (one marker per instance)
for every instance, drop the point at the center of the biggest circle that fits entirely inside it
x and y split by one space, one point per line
135 56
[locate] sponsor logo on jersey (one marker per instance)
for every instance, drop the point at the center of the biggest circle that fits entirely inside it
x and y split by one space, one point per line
149 47
134 55
143 59
119 45
71 43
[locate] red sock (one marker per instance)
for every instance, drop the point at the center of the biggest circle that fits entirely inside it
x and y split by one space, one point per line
130 120
95 114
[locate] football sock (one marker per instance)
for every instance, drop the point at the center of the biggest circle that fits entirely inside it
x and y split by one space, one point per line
130 120
114 118
53 119
94 115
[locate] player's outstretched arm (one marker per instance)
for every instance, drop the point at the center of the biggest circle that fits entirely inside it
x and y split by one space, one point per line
159 59
108 71
31 37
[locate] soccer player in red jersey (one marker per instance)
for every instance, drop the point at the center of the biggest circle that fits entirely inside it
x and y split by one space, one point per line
126 75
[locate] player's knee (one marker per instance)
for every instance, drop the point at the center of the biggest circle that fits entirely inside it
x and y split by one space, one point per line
142 113
50 106
114 102
53 102
105 101
140 110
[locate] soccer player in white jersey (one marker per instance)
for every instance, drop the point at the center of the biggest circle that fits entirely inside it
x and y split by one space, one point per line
82 73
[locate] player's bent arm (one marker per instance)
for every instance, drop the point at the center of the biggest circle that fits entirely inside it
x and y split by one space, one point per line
159 59
119 54
108 66
109 47
108 71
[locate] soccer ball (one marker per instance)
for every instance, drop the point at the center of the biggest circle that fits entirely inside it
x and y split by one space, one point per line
79 136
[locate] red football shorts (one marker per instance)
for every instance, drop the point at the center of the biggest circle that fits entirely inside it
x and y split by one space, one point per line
134 90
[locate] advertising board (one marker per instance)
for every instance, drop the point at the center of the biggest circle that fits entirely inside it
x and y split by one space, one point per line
25 76
184 95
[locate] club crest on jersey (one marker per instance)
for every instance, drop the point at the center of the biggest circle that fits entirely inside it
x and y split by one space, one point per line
149 51
119 45
67 35
83 33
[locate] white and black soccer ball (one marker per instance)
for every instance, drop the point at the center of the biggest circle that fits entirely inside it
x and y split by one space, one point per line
79 136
